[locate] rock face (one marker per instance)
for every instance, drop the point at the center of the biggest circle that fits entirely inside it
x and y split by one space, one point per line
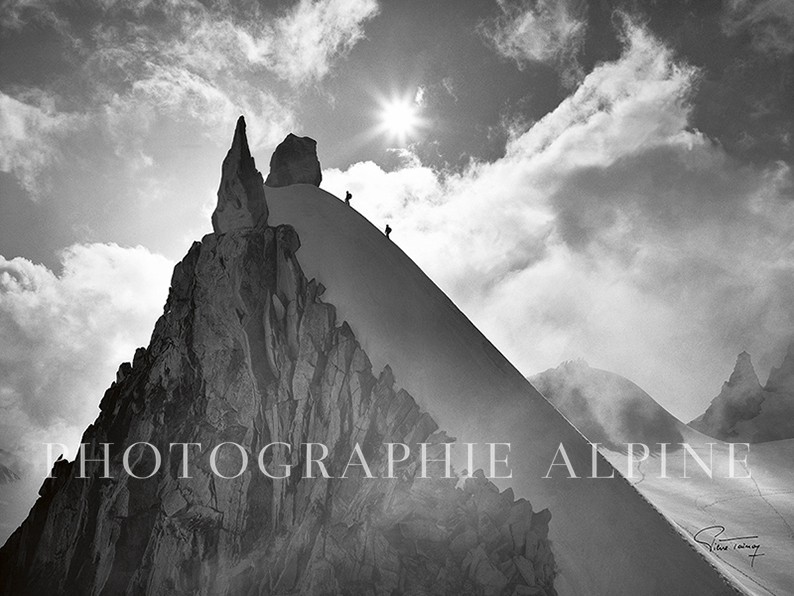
295 162
247 352
739 399
781 379
241 195
9 467
744 411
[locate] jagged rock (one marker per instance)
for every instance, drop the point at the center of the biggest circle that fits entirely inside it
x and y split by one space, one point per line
295 162
740 399
464 542
781 378
241 195
526 569
746 412
124 370
484 573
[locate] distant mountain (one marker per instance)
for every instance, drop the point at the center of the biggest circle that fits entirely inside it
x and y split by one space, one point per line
607 408
781 379
745 411
9 468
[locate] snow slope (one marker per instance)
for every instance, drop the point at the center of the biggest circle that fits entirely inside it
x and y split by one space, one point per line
608 408
762 505
607 539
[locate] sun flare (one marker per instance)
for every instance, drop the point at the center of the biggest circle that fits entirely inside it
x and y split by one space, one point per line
400 118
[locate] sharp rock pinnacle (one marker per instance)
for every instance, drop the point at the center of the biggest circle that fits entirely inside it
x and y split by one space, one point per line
241 195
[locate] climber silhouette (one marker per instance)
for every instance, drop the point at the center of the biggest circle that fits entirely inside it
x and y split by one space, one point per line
388 230
348 196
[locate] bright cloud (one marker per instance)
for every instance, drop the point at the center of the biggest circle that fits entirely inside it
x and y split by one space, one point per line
609 230
200 75
314 32
143 61
63 336
29 133
548 31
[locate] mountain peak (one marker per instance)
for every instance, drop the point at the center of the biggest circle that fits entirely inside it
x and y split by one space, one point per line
739 400
241 195
295 162
575 364
744 373
240 139
246 353
781 379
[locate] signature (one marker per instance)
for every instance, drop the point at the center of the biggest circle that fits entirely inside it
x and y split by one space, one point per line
714 539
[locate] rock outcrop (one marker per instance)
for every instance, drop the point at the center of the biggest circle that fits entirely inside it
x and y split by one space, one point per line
744 411
241 195
295 162
781 378
247 352
739 399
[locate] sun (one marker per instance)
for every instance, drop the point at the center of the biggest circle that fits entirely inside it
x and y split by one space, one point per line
400 118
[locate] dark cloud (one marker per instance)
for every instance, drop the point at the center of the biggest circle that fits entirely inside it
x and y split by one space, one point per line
769 23
746 85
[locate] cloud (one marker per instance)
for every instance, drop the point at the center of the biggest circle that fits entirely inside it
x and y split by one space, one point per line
18 13
610 230
605 407
547 31
200 75
29 135
300 45
62 336
137 64
769 22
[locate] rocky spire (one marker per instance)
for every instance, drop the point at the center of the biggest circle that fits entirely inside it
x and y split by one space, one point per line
739 400
241 195
744 375
781 379
295 162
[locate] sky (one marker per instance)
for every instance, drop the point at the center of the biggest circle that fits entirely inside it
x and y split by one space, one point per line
608 180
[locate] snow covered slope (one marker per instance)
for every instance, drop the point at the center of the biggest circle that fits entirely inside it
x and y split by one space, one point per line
611 410
761 506
606 538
